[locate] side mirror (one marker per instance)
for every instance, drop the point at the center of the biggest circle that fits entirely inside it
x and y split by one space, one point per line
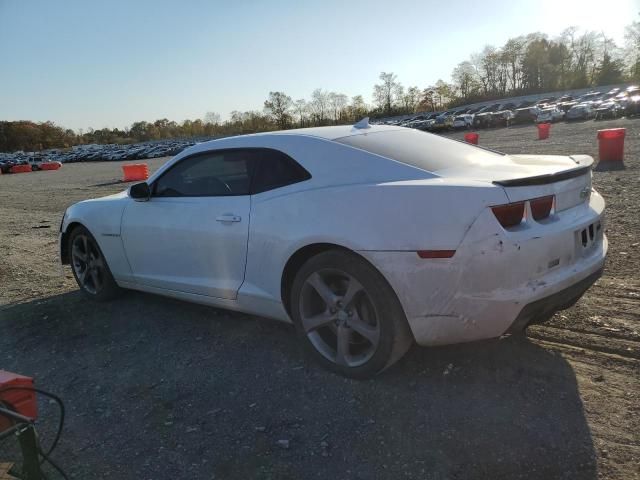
140 191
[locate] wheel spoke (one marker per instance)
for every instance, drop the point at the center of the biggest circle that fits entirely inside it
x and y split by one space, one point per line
369 332
316 321
342 350
352 290
322 288
95 277
75 252
82 276
85 245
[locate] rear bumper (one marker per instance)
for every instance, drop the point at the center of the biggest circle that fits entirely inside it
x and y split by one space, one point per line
541 310
498 282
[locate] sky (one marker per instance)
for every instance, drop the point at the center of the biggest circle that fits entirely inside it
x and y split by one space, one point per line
109 63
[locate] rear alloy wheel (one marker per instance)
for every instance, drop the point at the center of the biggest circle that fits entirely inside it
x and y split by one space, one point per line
89 266
348 315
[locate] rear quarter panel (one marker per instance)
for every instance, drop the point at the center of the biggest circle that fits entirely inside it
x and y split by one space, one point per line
396 216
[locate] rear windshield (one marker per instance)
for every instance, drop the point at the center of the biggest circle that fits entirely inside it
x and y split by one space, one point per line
421 149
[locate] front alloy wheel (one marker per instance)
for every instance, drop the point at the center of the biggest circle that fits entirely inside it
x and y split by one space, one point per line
89 266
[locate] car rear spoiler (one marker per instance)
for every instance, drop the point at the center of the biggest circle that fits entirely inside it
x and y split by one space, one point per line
544 179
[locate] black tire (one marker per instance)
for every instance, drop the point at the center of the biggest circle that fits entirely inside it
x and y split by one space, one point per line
394 337
106 288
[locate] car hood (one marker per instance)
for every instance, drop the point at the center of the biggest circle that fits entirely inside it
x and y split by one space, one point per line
109 198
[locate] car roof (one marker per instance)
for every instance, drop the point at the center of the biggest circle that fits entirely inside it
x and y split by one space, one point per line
327 133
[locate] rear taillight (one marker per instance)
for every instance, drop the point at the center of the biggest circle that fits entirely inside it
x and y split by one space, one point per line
541 207
509 215
512 214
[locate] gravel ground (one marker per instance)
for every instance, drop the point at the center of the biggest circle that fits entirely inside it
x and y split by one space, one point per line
160 389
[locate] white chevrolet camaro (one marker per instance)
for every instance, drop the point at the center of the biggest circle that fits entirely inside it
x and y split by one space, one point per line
367 238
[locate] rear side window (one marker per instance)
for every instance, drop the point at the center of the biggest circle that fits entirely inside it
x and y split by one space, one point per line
422 150
274 169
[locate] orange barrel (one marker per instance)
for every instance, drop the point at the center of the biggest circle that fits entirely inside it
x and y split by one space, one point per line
21 168
611 144
135 173
471 137
50 165
543 131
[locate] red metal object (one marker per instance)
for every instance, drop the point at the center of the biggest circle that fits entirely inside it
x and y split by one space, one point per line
543 131
22 401
20 169
611 144
50 165
136 172
471 137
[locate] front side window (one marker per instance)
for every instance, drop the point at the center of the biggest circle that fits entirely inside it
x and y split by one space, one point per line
219 173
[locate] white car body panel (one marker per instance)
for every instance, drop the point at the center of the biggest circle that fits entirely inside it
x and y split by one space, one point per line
171 243
380 208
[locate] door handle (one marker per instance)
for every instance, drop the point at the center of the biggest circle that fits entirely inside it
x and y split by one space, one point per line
228 218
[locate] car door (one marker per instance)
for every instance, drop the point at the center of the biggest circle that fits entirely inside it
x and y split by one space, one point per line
191 235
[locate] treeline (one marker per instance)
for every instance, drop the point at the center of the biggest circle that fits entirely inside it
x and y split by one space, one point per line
524 65
527 64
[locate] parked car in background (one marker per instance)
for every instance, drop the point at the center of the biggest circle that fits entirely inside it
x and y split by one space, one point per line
545 101
582 111
608 109
444 121
632 106
566 106
549 115
589 97
525 115
501 118
462 121
564 98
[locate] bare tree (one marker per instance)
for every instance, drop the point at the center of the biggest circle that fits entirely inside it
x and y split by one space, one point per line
410 99
319 105
464 78
212 118
632 49
512 54
301 108
428 101
385 94
337 102
278 106
358 108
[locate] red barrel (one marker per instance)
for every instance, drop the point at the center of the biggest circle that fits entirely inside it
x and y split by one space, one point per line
471 138
543 131
611 144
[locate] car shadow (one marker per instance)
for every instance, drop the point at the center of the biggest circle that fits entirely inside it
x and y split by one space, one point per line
158 388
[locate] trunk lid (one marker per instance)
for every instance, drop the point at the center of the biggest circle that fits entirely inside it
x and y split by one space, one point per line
524 177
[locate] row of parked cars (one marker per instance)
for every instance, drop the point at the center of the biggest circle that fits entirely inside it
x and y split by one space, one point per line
88 153
593 105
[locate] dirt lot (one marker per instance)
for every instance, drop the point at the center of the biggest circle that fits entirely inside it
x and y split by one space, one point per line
160 389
